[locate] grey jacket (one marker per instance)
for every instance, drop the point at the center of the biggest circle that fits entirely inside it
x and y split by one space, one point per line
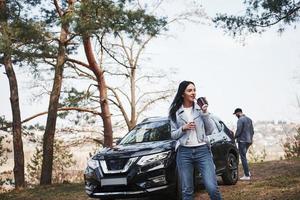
202 121
244 131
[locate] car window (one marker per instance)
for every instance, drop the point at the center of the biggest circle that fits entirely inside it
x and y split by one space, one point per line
148 132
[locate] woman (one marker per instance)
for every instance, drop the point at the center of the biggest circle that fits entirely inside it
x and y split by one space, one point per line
189 126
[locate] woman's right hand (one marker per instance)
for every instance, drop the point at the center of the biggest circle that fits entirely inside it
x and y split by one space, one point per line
189 126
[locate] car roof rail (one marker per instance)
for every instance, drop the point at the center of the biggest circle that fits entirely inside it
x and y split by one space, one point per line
155 118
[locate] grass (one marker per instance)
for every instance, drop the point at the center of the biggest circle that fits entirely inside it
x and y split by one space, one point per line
57 192
274 180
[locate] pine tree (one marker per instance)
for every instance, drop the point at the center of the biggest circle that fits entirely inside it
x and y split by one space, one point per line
62 160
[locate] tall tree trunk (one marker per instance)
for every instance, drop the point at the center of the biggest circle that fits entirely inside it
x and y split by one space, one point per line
14 101
46 173
133 97
17 133
98 72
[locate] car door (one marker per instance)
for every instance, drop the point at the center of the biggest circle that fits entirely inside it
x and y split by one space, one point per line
216 148
217 141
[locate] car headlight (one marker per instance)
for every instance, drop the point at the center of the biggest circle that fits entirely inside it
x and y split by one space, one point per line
145 160
93 163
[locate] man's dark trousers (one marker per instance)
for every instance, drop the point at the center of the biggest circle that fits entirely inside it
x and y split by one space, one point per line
243 148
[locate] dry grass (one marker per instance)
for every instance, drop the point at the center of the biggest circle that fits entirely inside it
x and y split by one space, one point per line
278 180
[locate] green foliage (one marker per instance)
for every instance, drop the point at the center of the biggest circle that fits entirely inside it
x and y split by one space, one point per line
36 126
3 151
4 123
24 39
74 98
3 160
259 15
107 16
63 159
291 146
34 166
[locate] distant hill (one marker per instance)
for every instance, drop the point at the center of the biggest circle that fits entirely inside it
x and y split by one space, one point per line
268 135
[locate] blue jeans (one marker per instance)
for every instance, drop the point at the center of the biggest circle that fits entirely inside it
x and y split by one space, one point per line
243 148
187 159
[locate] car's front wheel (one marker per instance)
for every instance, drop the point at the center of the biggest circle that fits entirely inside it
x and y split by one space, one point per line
230 176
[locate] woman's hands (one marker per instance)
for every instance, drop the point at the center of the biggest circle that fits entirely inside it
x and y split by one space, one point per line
189 126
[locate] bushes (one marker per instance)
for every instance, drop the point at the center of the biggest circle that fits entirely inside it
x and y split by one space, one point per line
5 175
255 157
291 146
63 159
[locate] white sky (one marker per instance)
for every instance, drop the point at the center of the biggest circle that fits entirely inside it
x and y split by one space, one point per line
258 77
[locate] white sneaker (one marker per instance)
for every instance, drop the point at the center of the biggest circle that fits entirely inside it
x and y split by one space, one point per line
245 178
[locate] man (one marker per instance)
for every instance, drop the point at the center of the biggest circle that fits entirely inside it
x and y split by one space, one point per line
244 135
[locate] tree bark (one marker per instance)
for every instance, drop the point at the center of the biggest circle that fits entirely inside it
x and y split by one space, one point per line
48 140
17 131
15 105
98 72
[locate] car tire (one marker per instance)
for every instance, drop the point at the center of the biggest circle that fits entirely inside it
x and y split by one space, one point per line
230 176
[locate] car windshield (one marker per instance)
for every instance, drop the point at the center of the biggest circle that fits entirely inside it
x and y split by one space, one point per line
148 132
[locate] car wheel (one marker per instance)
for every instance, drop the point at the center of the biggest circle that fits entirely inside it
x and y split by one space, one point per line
230 176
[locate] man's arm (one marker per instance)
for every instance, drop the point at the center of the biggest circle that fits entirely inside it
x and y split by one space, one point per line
239 129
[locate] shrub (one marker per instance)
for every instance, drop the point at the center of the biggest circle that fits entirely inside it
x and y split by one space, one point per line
255 157
291 146
62 159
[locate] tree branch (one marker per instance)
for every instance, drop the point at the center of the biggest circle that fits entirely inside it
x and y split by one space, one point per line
64 109
125 50
80 72
150 93
58 9
78 62
150 76
140 50
150 103
120 105
109 53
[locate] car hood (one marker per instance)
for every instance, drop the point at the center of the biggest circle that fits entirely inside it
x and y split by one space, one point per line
135 150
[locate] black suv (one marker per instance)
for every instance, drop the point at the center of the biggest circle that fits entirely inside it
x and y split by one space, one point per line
143 162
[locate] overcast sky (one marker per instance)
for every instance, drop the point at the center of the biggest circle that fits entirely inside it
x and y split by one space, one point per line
260 76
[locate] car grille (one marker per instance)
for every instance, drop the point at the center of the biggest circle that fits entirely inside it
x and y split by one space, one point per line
116 164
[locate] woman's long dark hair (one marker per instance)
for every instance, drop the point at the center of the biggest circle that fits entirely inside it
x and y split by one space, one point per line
178 99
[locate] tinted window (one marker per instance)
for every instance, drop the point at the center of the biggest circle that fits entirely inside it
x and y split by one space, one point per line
148 132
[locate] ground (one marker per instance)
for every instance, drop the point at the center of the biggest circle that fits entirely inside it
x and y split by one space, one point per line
273 180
